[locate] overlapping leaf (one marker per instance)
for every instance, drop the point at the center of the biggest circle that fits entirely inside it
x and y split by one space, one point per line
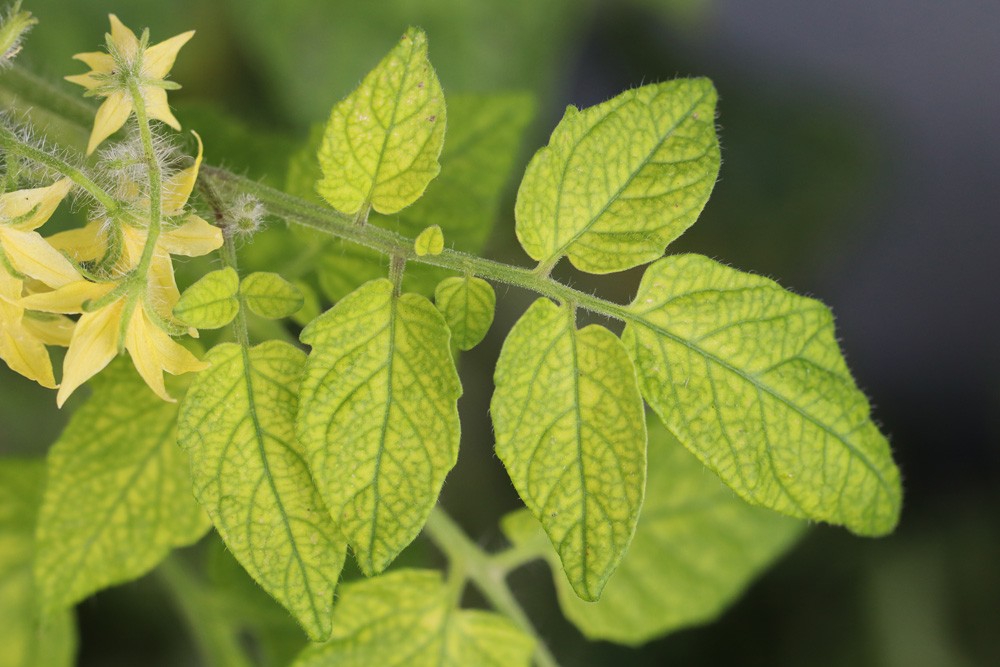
696 548
750 378
406 619
570 429
26 638
468 304
269 295
237 423
118 497
382 142
378 416
211 302
620 180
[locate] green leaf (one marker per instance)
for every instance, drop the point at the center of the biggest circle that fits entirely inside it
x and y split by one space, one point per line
429 242
211 302
467 304
382 142
484 134
406 619
25 639
750 378
378 416
237 422
620 180
570 429
696 548
310 309
118 497
271 296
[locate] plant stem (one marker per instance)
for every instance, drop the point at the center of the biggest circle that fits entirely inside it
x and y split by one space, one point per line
489 577
155 177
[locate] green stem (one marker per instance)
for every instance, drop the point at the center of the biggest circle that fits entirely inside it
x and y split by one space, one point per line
488 576
390 243
155 177
216 640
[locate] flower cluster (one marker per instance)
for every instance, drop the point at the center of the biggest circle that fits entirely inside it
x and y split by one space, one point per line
117 272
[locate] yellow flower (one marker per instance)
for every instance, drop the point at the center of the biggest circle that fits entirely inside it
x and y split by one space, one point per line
23 337
129 59
24 250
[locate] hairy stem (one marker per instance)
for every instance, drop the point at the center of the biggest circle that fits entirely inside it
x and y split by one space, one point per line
488 573
155 177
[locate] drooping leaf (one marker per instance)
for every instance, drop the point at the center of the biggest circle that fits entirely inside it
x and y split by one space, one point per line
269 295
621 180
382 142
378 416
750 378
429 242
211 302
467 304
26 638
406 618
484 133
696 548
570 430
237 423
119 495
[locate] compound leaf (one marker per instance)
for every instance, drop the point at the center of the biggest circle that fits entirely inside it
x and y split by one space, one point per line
378 416
620 180
750 378
237 423
468 304
570 430
406 619
211 302
696 548
118 497
382 142
26 638
269 295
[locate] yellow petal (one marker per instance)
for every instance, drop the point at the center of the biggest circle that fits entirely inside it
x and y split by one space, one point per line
86 80
54 330
124 39
133 242
83 244
194 238
177 189
67 299
93 346
159 58
111 115
157 107
140 345
10 287
21 202
100 63
31 255
26 355
163 292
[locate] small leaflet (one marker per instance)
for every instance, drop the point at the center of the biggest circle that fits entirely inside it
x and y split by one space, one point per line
270 296
381 144
570 429
468 304
378 416
751 379
211 302
406 618
237 423
429 242
620 180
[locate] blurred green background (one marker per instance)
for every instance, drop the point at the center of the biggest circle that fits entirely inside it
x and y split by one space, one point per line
860 158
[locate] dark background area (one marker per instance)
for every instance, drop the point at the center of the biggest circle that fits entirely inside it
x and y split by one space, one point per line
860 165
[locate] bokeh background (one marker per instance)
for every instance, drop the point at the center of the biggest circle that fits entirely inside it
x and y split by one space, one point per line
861 156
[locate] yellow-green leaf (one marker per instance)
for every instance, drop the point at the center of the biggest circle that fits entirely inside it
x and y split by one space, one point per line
26 639
382 142
378 416
570 429
750 378
237 423
118 497
407 618
620 180
429 242
211 302
696 548
467 304
271 296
